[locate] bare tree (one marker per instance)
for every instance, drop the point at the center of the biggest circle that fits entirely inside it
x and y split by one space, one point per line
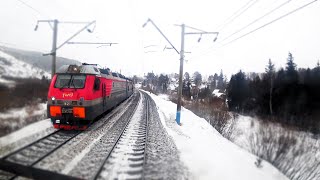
270 73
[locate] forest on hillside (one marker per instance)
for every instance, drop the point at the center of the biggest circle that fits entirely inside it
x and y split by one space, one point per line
289 95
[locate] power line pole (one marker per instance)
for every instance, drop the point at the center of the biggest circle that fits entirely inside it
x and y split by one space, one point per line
149 20
183 33
178 114
54 49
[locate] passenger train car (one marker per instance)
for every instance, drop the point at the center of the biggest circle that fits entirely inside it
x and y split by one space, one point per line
78 94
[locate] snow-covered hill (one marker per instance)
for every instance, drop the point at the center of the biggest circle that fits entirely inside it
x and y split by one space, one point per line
36 58
12 67
206 153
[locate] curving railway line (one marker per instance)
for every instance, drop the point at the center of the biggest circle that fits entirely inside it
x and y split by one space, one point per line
127 157
119 153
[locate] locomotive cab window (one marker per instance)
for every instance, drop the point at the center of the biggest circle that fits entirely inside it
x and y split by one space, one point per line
70 81
96 85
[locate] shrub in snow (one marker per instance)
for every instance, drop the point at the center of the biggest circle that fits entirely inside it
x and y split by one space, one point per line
258 163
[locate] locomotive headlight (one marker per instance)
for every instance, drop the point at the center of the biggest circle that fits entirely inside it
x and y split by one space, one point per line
53 100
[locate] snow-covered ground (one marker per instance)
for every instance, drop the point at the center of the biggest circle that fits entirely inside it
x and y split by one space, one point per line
217 93
206 153
296 153
22 133
8 83
17 118
25 112
10 66
164 97
25 136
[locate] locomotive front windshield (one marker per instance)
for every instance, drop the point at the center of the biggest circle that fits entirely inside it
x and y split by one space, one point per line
70 81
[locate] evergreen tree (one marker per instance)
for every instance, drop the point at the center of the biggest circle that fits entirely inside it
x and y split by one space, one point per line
238 91
291 72
215 79
163 83
210 78
220 80
186 76
270 68
291 66
151 79
289 94
197 78
211 82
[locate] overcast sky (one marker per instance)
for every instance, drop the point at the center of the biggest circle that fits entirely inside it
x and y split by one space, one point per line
141 50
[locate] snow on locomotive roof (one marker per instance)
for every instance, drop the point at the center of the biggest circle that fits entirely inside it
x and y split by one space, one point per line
89 69
83 69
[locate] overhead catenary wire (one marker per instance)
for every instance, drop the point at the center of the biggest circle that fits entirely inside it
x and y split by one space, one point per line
237 14
37 11
270 22
194 28
204 32
32 8
256 20
254 30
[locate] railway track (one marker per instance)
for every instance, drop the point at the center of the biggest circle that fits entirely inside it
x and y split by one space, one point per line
126 159
126 140
21 161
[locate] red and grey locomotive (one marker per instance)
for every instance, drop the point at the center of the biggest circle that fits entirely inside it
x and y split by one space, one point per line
78 94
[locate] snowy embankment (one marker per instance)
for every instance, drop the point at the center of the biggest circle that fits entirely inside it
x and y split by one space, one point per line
25 112
296 153
27 131
206 153
25 136
17 118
